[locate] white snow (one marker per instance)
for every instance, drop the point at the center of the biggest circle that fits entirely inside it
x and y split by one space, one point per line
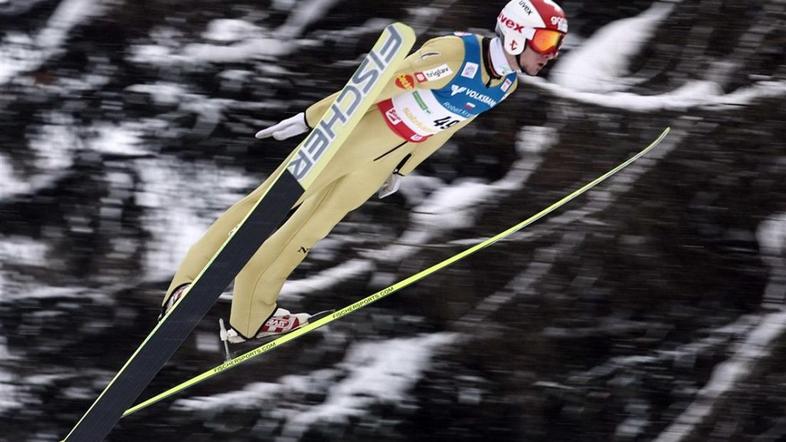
692 94
600 63
37 291
52 148
684 355
162 93
122 139
321 283
726 375
68 15
378 372
772 242
15 7
230 30
22 250
12 184
452 207
304 13
236 40
55 144
9 390
415 187
21 53
594 72
249 49
455 206
296 289
181 204
772 236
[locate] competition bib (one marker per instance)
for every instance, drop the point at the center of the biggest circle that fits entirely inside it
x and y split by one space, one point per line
421 113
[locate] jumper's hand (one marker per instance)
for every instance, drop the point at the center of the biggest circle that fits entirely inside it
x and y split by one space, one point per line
288 128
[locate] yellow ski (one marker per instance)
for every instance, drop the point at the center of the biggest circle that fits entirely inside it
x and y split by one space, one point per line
393 288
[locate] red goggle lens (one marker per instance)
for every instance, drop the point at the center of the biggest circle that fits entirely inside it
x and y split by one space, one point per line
546 41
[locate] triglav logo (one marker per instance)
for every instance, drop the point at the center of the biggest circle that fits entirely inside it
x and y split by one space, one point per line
346 105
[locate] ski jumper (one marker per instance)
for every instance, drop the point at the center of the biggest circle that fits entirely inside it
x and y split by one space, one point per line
436 91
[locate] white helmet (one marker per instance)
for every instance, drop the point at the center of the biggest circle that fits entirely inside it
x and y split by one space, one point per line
521 20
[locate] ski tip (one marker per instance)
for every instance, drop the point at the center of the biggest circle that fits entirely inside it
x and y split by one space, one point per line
403 29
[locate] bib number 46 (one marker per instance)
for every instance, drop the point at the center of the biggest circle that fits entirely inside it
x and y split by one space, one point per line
444 123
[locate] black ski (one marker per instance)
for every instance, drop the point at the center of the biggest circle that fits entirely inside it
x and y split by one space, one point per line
304 164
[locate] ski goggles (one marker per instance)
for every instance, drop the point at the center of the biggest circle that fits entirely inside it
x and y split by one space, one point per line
546 41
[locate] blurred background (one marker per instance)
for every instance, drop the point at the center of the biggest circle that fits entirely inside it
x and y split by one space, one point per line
652 309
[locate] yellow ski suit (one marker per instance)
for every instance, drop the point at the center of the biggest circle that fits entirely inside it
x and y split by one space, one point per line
368 157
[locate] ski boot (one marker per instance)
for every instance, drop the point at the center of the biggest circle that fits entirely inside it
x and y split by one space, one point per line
172 300
282 322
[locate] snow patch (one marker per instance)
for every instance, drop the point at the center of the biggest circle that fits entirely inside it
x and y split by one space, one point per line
599 64
67 16
230 30
689 95
238 40
16 291
12 183
415 188
593 73
124 139
455 206
22 250
9 392
53 150
181 204
16 7
323 281
535 139
452 207
162 93
726 375
772 236
371 373
304 14
21 53
379 372
772 241
250 49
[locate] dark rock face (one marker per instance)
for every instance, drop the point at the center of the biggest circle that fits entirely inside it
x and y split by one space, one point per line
651 309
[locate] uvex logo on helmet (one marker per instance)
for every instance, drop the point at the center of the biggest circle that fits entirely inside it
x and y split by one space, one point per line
510 23
520 21
525 7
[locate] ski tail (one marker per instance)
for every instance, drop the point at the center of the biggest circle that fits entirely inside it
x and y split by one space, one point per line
268 346
289 183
